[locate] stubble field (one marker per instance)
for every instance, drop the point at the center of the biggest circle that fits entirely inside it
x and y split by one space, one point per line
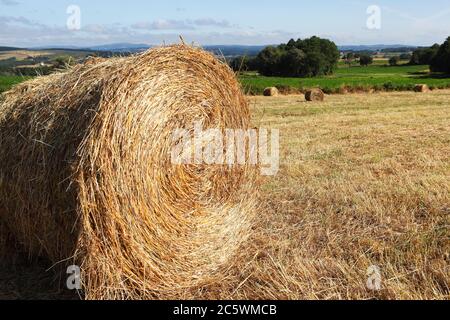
364 182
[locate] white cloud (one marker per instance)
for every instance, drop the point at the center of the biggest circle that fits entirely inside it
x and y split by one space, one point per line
163 25
20 21
208 22
9 2
20 31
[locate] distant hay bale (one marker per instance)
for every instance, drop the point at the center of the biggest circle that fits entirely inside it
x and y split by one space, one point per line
86 176
421 88
287 90
314 95
271 92
343 90
94 60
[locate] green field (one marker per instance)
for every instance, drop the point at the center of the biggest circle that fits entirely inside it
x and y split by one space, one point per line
378 77
355 78
6 82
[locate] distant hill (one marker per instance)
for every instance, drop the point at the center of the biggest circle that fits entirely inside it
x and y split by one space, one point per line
240 50
235 50
8 48
121 47
225 50
376 47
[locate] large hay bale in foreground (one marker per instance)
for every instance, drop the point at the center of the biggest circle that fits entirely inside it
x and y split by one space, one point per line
271 92
421 88
86 175
314 95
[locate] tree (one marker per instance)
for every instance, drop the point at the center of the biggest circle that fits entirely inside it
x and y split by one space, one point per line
406 56
424 55
291 44
365 60
292 63
243 63
314 63
441 61
349 58
268 61
301 58
394 61
326 52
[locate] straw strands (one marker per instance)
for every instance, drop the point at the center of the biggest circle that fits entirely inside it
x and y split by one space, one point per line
86 176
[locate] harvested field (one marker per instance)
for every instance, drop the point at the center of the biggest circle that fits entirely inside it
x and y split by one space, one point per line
20 55
364 180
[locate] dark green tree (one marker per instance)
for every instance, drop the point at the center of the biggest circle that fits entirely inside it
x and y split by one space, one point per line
349 58
365 60
441 61
406 56
424 55
394 61
268 61
292 63
291 44
301 58
326 51
244 63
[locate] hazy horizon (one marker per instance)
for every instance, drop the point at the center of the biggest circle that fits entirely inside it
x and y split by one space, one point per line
26 23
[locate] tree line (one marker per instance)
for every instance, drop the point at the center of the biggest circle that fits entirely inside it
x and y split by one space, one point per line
317 57
297 58
437 56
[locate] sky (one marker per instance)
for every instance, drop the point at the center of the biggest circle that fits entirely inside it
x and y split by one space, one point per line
35 23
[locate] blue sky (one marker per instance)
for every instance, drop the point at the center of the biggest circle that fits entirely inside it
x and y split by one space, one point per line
44 22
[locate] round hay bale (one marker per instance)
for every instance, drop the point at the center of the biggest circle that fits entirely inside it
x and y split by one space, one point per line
314 95
271 92
421 88
343 90
86 175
